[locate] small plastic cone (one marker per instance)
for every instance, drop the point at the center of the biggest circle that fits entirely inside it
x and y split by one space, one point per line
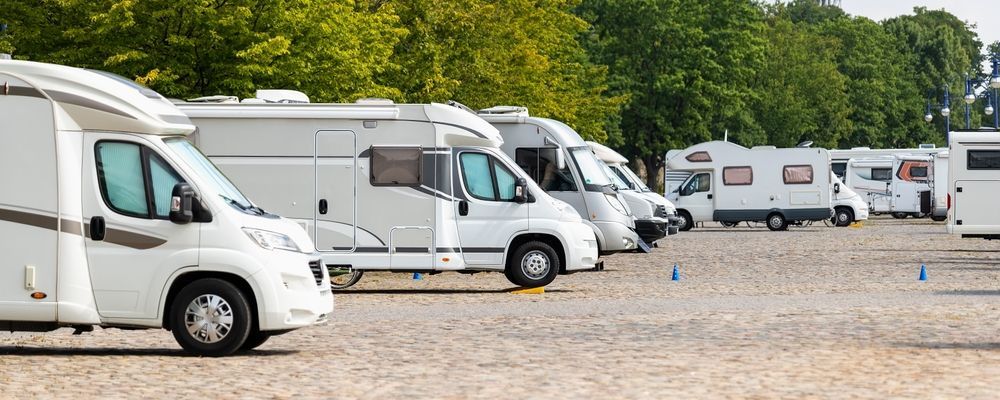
923 272
676 275
417 276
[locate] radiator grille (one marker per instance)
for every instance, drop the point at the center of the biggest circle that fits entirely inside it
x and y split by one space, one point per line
316 266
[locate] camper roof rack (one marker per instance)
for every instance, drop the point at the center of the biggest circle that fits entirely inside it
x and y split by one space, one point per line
215 99
460 106
505 110
281 96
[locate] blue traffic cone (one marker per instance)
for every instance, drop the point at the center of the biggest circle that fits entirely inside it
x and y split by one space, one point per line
677 275
417 276
923 272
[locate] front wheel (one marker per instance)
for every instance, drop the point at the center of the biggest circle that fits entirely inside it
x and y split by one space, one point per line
533 264
343 278
939 218
255 340
729 224
685 222
211 317
776 222
843 217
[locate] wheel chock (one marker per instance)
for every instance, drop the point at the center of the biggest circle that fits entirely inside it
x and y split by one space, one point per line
536 290
857 224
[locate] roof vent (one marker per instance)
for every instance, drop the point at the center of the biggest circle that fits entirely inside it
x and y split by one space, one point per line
460 106
5 56
505 110
861 148
282 96
215 99
376 101
927 146
763 148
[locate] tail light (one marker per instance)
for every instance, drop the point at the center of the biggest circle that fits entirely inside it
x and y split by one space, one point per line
949 201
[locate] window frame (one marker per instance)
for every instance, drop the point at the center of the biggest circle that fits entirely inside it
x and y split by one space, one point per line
968 159
420 166
812 174
888 172
724 169
537 150
147 179
707 156
492 162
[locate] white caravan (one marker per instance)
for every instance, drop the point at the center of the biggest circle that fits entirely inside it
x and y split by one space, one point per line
644 203
848 206
974 184
730 183
839 157
939 186
395 187
898 184
558 159
111 218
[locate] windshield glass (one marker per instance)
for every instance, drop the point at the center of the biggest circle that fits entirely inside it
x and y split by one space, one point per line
590 167
634 178
211 175
615 179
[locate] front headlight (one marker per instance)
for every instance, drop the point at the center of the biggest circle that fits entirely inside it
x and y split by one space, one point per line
616 203
272 240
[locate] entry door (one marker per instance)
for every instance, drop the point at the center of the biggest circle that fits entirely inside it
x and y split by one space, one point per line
696 197
335 216
132 247
487 216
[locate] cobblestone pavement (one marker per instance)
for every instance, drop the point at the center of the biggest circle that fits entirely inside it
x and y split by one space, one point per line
815 312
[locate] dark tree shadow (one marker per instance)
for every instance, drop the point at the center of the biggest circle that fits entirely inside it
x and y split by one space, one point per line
438 291
968 293
116 352
953 346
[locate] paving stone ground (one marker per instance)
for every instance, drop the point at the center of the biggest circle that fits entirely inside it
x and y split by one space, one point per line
815 312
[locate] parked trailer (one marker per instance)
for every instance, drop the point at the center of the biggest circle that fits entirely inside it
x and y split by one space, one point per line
973 184
395 187
655 216
112 218
558 159
730 183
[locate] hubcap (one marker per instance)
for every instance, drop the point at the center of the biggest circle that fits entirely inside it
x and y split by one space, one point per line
842 216
776 221
535 264
209 318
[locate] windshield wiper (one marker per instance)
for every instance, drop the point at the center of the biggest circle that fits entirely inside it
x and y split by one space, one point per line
238 205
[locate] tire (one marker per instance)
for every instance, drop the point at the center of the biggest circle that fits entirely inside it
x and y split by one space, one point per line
939 218
686 223
899 215
843 216
218 299
344 280
533 264
255 340
776 222
729 224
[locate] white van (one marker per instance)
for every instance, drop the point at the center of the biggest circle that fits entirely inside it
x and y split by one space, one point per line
558 159
730 183
848 206
112 218
974 182
395 187
647 206
899 184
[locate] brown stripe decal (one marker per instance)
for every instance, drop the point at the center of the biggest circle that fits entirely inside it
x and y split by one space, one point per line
116 236
69 98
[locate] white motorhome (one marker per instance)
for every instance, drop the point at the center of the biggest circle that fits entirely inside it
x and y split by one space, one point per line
848 206
973 184
637 194
112 218
558 159
939 186
395 187
897 184
730 183
839 157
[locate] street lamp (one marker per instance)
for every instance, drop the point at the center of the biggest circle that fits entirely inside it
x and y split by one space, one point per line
945 109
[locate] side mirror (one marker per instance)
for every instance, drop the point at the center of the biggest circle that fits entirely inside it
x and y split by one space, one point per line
182 204
521 191
836 188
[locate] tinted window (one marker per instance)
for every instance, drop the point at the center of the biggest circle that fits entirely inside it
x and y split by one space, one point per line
882 174
699 156
396 166
698 183
119 170
540 164
984 159
839 169
797 174
737 176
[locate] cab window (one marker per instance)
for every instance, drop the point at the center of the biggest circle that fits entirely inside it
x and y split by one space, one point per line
912 171
540 164
486 178
134 180
697 183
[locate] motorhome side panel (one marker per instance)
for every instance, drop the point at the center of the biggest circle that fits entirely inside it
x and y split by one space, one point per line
29 220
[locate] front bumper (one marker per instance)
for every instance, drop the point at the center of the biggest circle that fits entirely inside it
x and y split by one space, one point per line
581 248
651 230
618 237
294 296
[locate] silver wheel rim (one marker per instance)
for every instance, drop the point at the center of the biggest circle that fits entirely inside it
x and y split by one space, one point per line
775 221
535 264
842 217
209 318
683 221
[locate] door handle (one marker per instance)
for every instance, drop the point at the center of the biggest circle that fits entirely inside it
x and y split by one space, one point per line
323 206
463 208
97 229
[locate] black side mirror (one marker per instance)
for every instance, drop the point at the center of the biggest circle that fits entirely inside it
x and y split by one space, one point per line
836 188
182 204
521 191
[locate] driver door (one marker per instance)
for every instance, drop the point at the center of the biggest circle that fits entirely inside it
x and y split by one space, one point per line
488 216
132 247
696 197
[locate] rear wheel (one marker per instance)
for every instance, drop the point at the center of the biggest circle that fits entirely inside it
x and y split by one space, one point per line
939 218
533 264
211 317
776 222
900 215
343 278
685 222
843 217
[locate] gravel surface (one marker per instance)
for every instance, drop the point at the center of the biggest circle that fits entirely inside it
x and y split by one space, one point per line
815 312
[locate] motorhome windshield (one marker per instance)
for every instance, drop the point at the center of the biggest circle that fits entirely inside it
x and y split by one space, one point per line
635 179
191 156
615 179
590 168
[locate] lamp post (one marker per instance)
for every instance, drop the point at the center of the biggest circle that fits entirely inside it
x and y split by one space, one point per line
992 107
945 109
990 86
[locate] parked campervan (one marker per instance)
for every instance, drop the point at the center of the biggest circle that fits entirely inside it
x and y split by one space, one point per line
839 157
898 184
636 193
558 159
848 206
974 181
110 217
395 187
730 183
